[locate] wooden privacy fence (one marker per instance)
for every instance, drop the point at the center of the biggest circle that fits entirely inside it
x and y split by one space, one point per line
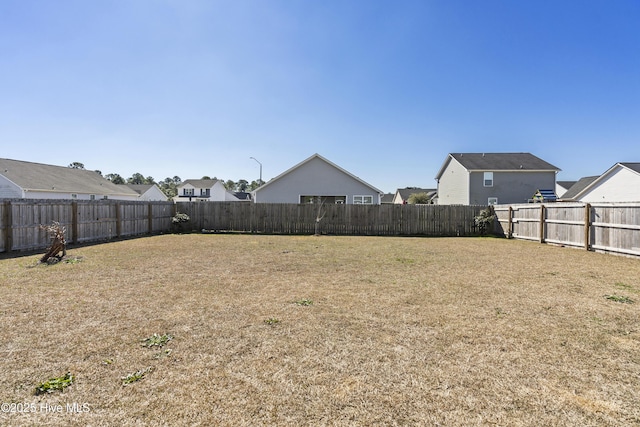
341 219
606 227
92 221
85 221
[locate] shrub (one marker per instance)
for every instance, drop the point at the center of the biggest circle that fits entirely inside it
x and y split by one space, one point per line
484 221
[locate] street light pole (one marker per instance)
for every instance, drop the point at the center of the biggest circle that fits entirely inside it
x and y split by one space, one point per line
260 168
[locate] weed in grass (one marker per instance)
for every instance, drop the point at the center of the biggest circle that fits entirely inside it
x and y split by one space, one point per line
156 340
162 354
619 298
406 260
272 321
626 287
55 384
500 312
136 376
107 361
304 301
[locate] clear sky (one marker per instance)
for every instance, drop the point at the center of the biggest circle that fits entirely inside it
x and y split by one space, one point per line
384 89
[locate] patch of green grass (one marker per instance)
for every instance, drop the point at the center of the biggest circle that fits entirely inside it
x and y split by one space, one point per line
156 340
136 376
54 384
406 260
626 287
272 321
619 298
304 301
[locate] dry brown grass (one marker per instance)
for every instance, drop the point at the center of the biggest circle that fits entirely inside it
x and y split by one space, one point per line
402 331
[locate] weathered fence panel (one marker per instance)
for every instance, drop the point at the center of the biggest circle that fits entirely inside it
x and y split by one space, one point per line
85 221
379 220
606 227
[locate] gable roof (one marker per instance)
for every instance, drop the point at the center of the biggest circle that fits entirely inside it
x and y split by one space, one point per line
498 162
139 188
408 191
585 184
633 166
316 156
59 179
578 187
199 183
566 184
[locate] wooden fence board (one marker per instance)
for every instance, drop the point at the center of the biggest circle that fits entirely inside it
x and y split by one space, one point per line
608 227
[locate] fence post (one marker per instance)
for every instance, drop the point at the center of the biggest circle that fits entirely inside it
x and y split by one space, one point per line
8 226
587 226
510 223
74 222
542 223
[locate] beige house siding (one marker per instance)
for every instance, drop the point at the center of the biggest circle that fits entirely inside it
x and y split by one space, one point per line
453 186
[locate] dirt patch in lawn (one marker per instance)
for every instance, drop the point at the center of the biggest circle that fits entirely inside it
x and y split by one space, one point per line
279 330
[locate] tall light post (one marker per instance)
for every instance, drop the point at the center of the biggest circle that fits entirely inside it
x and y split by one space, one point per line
260 183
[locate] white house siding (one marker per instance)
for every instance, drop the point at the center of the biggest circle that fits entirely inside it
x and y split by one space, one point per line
453 186
620 185
8 190
509 187
314 178
153 194
78 196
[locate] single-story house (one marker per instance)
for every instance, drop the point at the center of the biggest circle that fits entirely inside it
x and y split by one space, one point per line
317 178
402 195
492 178
148 192
203 190
28 180
620 183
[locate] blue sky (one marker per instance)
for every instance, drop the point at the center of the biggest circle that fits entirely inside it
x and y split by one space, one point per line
384 89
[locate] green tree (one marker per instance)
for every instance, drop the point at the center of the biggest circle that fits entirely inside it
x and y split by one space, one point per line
138 178
76 165
242 185
115 178
419 199
169 186
230 185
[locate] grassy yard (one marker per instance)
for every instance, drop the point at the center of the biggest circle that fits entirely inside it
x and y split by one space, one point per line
358 331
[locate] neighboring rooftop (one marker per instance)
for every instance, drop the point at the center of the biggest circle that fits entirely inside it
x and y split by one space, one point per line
577 188
50 178
499 162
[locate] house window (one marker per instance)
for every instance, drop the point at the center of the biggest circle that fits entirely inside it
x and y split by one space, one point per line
105 197
74 196
492 201
488 179
362 200
92 197
188 191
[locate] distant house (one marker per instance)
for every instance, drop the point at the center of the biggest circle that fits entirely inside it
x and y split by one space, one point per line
149 192
402 194
492 178
577 188
387 198
562 187
313 178
204 190
27 180
620 183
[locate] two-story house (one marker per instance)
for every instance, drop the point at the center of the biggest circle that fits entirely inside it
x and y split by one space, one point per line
204 190
492 178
